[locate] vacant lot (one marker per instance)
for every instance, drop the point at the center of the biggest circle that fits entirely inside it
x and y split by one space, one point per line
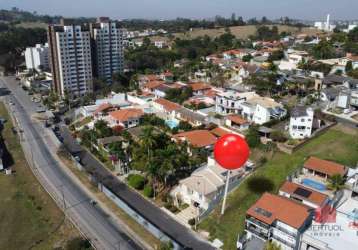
241 32
28 216
27 25
333 145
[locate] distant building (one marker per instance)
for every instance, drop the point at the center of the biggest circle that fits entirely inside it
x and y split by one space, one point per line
108 54
301 122
36 58
70 58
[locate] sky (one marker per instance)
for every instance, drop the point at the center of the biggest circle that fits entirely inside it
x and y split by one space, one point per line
169 9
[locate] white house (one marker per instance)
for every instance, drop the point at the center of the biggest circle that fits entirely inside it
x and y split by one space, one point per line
205 186
229 102
262 109
301 122
293 58
126 118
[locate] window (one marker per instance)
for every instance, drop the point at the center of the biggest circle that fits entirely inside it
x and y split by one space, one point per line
303 119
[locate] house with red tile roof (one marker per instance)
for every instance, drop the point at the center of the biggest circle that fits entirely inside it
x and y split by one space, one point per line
197 138
150 86
278 219
236 122
103 109
323 168
126 118
303 194
199 88
167 107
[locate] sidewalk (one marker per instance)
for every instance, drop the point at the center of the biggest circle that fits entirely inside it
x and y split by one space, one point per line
54 144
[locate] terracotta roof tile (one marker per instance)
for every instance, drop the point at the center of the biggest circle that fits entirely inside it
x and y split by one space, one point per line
327 167
102 107
126 114
153 84
219 132
279 208
237 119
197 138
196 86
314 196
168 105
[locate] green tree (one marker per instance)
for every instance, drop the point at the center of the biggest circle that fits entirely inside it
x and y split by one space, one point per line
272 246
102 129
166 246
147 140
253 137
323 50
336 182
349 66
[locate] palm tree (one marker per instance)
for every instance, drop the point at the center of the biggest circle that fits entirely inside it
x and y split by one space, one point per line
147 140
116 149
336 182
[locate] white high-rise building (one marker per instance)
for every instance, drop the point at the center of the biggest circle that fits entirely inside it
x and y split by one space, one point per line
108 48
37 57
70 58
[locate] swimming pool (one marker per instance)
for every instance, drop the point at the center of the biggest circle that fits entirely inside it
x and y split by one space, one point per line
314 184
173 123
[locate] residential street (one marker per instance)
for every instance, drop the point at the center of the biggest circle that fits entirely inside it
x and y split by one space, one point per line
91 220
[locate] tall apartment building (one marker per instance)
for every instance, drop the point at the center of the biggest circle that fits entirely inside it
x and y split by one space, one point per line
70 58
37 57
107 39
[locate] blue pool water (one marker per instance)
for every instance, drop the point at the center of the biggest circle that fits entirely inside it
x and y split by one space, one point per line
314 184
173 123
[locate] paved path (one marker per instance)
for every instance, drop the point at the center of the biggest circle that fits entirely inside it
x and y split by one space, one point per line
91 220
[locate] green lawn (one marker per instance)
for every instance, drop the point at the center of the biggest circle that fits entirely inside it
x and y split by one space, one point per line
28 216
332 145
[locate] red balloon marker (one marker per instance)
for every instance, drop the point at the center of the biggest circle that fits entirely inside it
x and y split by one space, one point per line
230 152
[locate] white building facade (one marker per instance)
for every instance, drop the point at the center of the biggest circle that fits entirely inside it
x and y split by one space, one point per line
36 58
301 123
71 61
108 48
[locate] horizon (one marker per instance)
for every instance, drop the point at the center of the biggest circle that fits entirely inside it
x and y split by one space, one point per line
163 10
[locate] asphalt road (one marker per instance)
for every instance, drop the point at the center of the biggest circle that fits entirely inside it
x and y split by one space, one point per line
103 232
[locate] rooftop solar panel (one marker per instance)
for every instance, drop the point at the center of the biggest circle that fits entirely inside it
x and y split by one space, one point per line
302 192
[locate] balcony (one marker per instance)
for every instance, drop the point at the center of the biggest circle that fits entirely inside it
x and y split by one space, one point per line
258 223
289 244
285 231
263 234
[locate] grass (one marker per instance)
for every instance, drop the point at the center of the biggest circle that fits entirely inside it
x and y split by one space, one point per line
241 32
32 25
333 145
131 223
28 216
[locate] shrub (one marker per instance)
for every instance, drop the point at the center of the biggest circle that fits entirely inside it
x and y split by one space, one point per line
262 160
191 221
136 181
253 137
278 136
148 191
78 244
